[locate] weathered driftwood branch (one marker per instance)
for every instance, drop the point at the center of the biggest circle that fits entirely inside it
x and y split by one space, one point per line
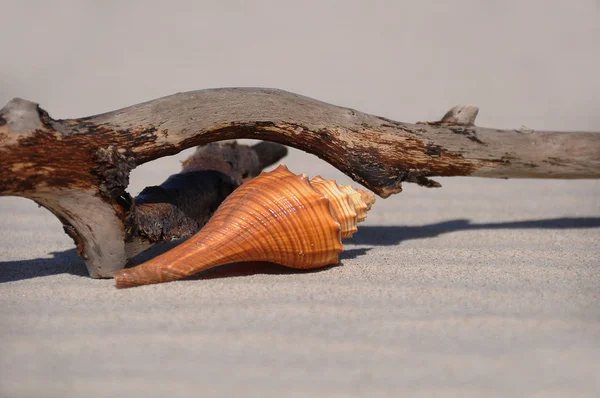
78 168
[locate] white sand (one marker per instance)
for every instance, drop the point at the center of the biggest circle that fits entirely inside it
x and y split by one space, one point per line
481 288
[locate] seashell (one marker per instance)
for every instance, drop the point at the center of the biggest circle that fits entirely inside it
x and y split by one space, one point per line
277 217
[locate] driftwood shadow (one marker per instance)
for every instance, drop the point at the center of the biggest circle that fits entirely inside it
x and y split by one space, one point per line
62 262
68 262
393 235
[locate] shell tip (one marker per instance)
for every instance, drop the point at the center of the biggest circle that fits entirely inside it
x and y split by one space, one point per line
124 279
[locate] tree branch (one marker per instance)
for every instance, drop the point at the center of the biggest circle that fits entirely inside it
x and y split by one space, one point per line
376 152
79 168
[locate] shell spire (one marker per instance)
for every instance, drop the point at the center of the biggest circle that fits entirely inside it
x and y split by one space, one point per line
348 205
278 217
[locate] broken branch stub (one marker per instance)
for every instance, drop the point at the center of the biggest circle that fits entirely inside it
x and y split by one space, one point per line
79 168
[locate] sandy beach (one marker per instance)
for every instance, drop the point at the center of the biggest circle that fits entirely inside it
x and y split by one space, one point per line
479 288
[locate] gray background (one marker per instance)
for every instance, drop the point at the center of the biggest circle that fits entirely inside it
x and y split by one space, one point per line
482 287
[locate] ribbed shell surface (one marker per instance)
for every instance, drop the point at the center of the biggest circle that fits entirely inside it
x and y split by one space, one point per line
341 206
362 200
277 217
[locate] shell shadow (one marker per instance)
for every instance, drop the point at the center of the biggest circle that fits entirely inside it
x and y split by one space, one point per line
265 268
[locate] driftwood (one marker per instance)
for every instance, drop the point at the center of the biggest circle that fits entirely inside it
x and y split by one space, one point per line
79 168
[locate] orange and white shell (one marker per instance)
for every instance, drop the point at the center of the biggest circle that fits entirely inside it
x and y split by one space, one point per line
277 217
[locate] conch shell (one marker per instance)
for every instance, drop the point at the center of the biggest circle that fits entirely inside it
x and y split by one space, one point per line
278 217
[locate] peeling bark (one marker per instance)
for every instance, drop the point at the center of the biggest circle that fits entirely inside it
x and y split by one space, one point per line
63 164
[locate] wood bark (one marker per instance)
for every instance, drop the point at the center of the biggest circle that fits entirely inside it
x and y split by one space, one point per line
79 168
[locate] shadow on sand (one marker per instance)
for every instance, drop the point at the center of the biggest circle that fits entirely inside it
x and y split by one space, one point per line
68 262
